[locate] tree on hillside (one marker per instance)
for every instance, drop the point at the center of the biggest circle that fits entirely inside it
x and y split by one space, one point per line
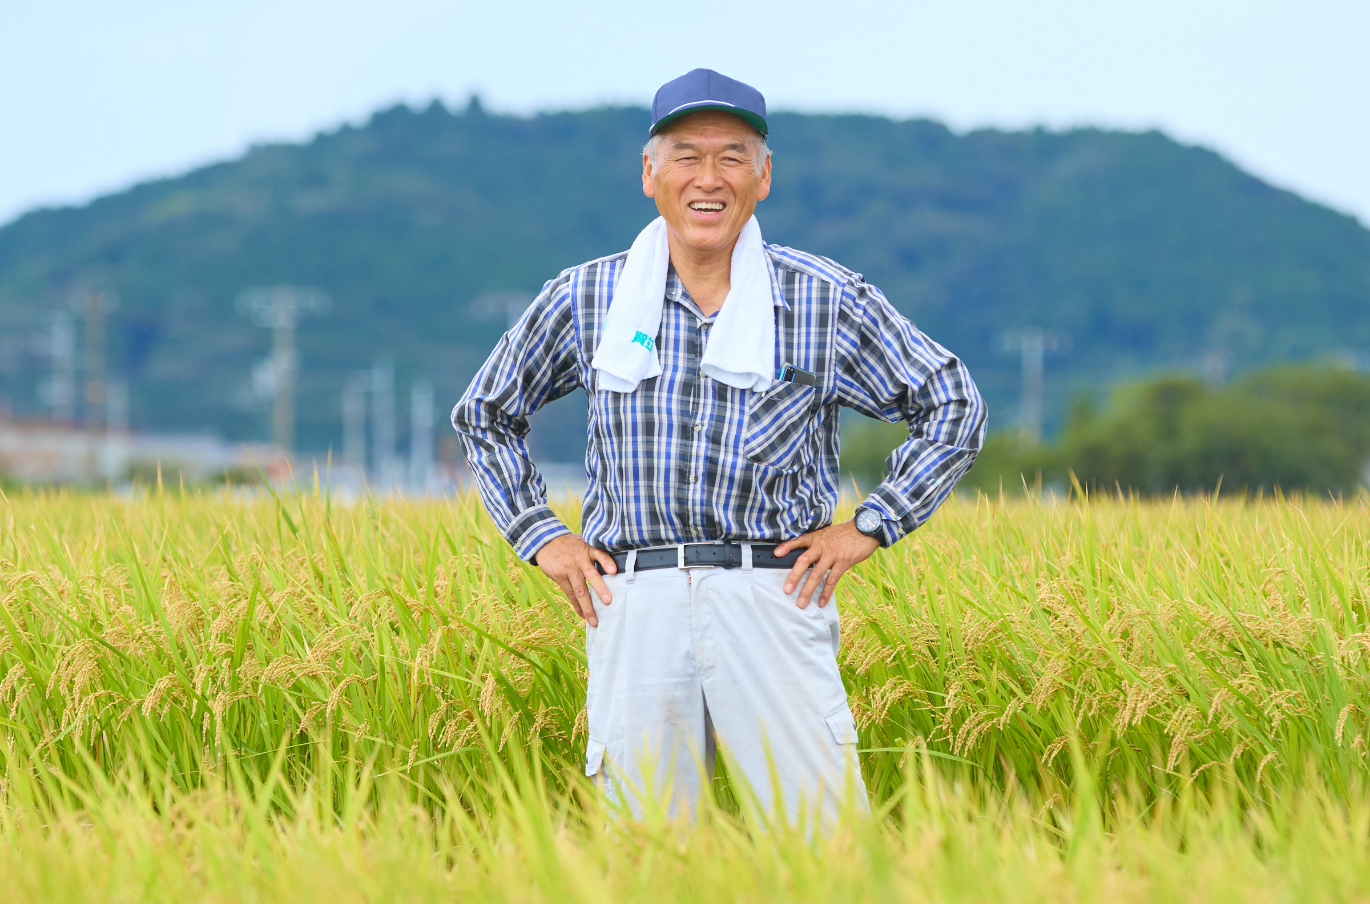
1292 429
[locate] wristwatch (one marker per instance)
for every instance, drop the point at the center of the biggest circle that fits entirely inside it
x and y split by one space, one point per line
869 522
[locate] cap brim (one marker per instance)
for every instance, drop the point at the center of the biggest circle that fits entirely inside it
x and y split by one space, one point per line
750 118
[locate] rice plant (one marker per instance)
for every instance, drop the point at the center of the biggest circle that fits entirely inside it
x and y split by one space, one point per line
202 682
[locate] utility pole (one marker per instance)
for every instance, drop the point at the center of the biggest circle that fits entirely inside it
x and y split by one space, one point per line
421 435
116 429
1215 364
1033 344
116 407
383 419
62 389
95 305
354 422
279 309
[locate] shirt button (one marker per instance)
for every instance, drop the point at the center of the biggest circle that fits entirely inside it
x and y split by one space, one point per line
693 478
698 426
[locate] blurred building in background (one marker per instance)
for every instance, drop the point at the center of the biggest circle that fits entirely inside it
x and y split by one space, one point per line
48 452
44 452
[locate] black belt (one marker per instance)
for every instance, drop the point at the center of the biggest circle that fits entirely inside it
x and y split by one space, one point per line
705 555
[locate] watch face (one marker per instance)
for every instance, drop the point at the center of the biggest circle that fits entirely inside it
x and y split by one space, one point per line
868 522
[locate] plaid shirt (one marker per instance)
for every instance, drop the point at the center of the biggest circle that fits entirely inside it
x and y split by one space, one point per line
685 458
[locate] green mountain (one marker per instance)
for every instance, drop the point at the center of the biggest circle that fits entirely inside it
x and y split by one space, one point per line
1149 254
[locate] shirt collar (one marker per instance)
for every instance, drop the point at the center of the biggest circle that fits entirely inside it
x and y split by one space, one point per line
675 289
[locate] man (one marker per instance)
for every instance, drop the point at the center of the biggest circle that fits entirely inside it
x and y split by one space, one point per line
715 367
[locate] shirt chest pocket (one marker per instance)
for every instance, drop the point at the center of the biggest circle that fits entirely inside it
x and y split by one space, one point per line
780 425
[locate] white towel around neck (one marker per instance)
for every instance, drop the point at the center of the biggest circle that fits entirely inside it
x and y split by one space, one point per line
741 349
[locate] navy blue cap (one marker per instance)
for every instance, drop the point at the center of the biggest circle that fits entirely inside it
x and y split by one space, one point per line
704 89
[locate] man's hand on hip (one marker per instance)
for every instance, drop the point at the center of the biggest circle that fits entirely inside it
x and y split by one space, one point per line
570 561
830 551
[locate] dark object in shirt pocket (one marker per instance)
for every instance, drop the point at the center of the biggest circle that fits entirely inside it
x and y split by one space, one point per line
791 374
780 425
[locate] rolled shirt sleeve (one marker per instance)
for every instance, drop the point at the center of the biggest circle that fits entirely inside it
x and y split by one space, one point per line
888 369
534 363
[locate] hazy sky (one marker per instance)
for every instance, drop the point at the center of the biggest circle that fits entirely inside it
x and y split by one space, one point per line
95 96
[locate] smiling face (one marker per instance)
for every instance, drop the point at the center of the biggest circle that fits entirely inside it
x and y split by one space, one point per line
705 179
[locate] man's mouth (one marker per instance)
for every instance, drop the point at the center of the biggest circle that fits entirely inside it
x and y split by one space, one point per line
707 206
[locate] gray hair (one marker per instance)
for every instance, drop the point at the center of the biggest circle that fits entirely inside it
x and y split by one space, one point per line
758 142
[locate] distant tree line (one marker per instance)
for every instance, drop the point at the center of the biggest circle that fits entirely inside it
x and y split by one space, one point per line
1304 429
422 224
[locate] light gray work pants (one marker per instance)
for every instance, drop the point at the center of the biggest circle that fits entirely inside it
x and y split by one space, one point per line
683 660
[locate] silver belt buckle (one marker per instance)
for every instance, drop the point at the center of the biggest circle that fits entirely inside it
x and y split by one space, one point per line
680 556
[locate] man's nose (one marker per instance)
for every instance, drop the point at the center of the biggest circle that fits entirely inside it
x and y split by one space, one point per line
709 175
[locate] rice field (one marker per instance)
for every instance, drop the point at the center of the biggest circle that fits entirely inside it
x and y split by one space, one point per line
211 697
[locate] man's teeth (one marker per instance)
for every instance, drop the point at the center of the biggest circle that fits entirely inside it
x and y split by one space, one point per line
706 205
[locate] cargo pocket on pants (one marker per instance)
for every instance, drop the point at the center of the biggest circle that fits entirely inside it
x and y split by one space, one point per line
594 757
842 725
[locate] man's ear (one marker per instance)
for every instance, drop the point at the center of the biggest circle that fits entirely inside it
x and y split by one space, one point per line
648 188
764 187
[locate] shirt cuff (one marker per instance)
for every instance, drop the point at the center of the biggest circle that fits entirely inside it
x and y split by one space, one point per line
533 529
892 526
